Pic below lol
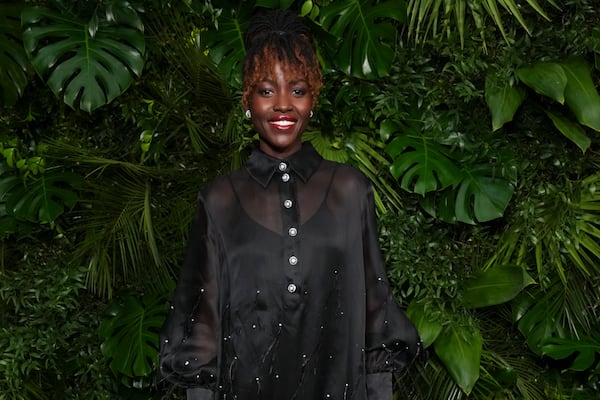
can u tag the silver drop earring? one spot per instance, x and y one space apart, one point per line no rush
248 114
311 114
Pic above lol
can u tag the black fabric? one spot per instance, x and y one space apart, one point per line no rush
379 386
283 293
199 393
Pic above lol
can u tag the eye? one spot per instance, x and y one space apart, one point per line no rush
265 92
299 92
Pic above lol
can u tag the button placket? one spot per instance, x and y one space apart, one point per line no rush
289 219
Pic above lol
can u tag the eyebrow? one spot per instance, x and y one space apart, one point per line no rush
292 82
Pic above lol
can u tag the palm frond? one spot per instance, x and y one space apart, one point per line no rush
442 386
558 311
118 240
432 18
556 230
133 222
193 94
177 36
504 368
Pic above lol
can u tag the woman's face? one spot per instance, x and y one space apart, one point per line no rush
280 107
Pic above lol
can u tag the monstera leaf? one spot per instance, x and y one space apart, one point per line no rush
87 63
482 195
364 33
14 65
41 200
130 335
582 353
421 164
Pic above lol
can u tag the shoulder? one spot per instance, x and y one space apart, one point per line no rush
218 193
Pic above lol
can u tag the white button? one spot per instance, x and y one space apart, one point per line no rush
282 166
285 177
293 260
291 288
287 204
292 231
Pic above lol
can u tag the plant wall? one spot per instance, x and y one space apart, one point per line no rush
477 122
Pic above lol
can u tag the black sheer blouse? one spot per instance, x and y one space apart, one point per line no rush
283 293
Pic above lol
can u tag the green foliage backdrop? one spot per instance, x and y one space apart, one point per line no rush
476 120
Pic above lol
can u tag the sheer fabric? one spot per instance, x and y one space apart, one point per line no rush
283 293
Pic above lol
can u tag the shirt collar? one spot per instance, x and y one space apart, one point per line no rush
303 163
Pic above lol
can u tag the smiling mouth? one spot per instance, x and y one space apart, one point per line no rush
282 124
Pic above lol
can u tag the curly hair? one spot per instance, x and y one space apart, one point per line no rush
279 36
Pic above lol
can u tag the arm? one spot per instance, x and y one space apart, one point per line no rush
189 337
392 342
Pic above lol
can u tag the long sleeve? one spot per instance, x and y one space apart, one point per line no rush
189 337
392 341
379 386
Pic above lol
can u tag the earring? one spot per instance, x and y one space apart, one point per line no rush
248 114
311 114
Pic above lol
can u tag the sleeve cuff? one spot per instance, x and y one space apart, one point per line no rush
199 394
379 386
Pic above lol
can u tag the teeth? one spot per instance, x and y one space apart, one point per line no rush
283 123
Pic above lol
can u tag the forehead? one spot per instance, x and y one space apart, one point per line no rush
271 67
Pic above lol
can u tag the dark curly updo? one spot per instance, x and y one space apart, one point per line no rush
279 36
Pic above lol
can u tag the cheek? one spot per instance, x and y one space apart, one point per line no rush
259 105
305 106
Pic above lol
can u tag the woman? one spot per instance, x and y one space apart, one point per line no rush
283 293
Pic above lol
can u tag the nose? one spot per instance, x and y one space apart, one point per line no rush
282 102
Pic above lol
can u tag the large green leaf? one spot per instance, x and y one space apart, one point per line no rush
88 64
43 198
130 335
495 286
571 130
428 328
546 78
483 195
580 93
421 164
365 34
582 352
14 65
459 348
503 100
